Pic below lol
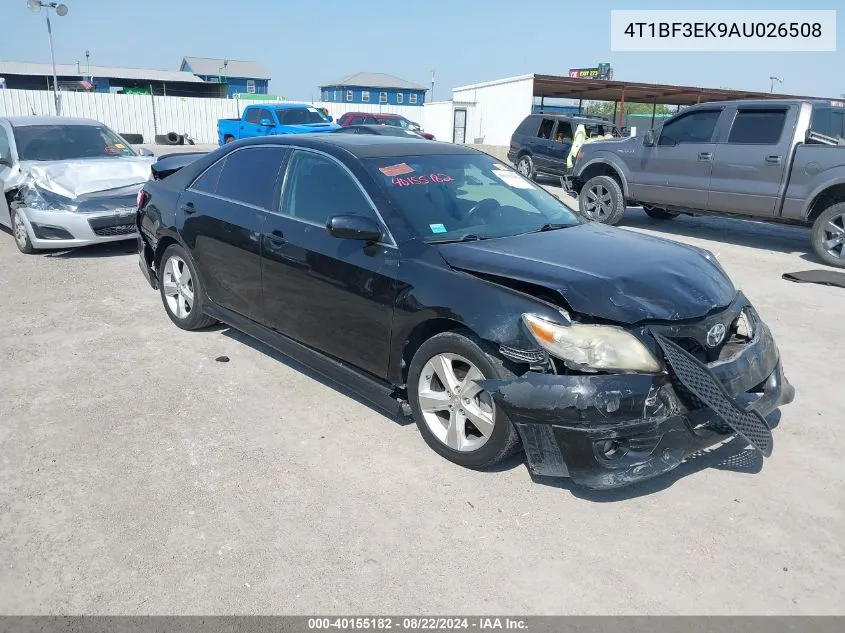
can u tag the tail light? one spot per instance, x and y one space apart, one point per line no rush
143 197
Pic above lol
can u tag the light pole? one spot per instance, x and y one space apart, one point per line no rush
61 10
774 79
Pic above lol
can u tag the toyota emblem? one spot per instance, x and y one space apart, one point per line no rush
715 335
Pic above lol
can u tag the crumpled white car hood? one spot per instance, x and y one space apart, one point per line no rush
74 178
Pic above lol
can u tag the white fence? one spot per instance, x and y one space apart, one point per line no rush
148 115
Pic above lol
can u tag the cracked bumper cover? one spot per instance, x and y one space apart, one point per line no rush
566 422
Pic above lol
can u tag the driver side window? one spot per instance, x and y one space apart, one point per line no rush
695 127
5 150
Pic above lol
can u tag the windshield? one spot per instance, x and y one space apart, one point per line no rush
396 122
466 196
300 116
68 142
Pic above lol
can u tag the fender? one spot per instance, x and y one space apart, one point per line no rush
606 157
829 179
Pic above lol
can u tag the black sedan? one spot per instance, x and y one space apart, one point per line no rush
379 130
438 282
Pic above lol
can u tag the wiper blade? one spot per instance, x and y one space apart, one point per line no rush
550 227
472 237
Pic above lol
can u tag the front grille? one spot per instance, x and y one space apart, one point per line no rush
699 382
113 226
523 355
111 231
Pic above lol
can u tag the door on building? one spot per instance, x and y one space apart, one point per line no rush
459 127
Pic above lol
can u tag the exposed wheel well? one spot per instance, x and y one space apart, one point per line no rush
162 245
420 334
826 198
602 169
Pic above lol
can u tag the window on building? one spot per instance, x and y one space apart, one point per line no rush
365 96
316 187
696 127
757 127
382 97
250 86
412 98
349 95
335 95
250 174
325 95
400 97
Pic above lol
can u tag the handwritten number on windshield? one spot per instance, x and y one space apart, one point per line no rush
421 180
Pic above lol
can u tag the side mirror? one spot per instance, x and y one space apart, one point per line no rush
266 123
329 118
143 151
648 138
353 227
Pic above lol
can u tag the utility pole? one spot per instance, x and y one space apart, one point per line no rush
774 79
61 10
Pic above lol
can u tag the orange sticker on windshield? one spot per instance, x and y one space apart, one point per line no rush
396 170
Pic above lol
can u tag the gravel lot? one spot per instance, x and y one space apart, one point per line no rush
139 476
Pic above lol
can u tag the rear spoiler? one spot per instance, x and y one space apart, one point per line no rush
169 164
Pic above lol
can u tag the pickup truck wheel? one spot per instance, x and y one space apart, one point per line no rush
525 166
228 138
601 200
828 235
659 214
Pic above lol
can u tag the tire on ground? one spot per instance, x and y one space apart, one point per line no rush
530 170
26 247
504 440
617 199
196 320
171 138
823 231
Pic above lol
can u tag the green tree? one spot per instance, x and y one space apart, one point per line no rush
605 108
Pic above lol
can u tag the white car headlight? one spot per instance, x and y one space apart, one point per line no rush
601 347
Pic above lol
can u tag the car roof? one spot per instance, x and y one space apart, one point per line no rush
367 146
376 115
23 121
371 126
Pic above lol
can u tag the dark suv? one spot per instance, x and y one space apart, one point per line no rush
542 142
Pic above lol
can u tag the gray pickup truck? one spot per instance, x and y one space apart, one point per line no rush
776 161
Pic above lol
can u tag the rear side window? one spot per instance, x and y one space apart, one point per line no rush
695 127
252 115
528 127
207 182
829 121
249 175
265 114
546 128
757 127
563 132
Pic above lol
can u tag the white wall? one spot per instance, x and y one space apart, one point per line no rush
438 120
136 114
500 106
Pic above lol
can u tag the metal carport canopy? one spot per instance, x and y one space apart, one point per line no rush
558 87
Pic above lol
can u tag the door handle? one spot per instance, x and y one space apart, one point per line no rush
773 160
188 207
275 240
705 156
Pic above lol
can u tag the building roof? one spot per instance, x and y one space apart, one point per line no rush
374 80
70 70
234 68
607 90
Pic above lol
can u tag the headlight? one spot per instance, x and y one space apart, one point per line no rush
595 346
35 197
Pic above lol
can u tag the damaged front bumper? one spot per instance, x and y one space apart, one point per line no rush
53 228
611 430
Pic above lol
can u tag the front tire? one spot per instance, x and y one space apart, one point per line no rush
228 139
181 290
525 166
21 235
828 235
457 418
601 200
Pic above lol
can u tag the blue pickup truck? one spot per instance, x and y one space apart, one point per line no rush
267 119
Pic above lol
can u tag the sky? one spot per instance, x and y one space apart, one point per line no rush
303 44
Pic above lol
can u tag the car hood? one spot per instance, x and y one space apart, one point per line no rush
76 178
605 272
310 128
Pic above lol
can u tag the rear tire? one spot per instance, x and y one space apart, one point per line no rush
659 214
228 139
19 232
181 290
525 166
828 235
601 200
460 421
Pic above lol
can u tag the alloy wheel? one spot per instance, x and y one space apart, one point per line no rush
834 236
457 411
178 287
599 203
524 167
19 230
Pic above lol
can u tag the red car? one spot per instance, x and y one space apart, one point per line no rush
380 118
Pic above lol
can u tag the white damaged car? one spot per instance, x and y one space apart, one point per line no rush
68 182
